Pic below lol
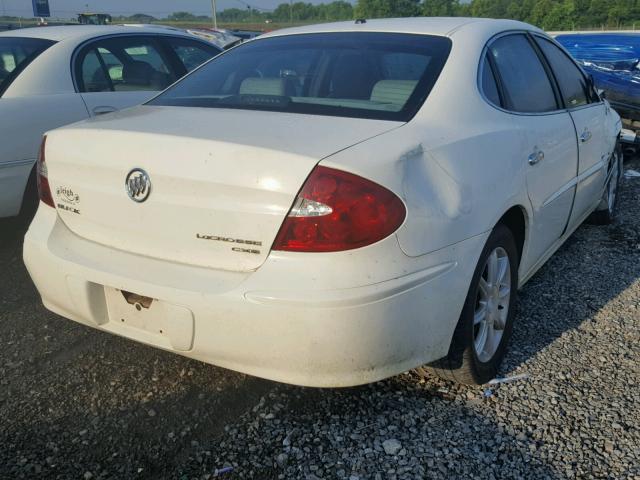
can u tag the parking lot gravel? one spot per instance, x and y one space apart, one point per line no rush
79 403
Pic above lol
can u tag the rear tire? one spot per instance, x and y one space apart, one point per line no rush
482 334
606 212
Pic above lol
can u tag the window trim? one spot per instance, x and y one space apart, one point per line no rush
156 37
103 65
493 67
551 75
485 50
572 60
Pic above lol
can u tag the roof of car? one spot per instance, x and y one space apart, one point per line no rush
64 32
442 26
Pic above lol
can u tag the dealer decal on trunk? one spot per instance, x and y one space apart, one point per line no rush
69 200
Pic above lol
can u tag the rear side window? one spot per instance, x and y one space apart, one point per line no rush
525 83
191 54
489 85
123 64
572 83
15 54
355 74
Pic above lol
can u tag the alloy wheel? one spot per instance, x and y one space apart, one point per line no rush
492 304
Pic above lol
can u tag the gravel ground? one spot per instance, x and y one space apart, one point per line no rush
78 403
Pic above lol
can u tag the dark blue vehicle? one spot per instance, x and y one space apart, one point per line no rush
613 59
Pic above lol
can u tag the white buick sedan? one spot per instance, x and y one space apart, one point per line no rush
330 205
53 76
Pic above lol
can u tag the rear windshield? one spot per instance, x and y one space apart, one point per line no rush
15 54
383 76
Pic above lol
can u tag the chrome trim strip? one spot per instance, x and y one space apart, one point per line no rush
16 163
572 183
575 181
590 171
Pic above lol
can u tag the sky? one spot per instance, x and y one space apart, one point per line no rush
157 8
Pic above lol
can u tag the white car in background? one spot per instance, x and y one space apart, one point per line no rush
330 205
222 38
53 76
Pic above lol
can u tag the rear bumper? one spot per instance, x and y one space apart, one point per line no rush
304 319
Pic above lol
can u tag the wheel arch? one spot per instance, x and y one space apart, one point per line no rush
30 198
517 220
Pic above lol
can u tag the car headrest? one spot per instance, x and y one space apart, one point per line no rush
263 86
394 92
98 81
137 73
353 77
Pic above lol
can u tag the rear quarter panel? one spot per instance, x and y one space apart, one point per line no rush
23 121
459 164
456 182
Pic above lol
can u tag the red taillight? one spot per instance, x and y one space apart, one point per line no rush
43 181
337 211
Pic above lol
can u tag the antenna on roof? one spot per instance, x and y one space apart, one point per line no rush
360 21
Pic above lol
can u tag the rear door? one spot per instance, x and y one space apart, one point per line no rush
122 71
588 114
546 133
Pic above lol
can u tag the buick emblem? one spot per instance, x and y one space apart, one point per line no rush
138 185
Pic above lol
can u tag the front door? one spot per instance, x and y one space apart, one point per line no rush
588 113
593 159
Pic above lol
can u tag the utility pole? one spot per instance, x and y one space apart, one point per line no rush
215 17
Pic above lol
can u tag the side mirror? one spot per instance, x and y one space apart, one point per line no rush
601 93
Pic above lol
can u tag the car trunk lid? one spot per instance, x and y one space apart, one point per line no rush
222 181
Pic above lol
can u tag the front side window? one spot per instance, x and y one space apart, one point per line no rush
365 75
123 64
15 54
525 83
191 54
571 81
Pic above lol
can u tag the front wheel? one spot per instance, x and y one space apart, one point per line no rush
484 328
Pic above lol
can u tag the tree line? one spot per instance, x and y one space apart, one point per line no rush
547 14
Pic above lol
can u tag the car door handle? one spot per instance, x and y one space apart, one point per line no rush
536 156
585 136
101 110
